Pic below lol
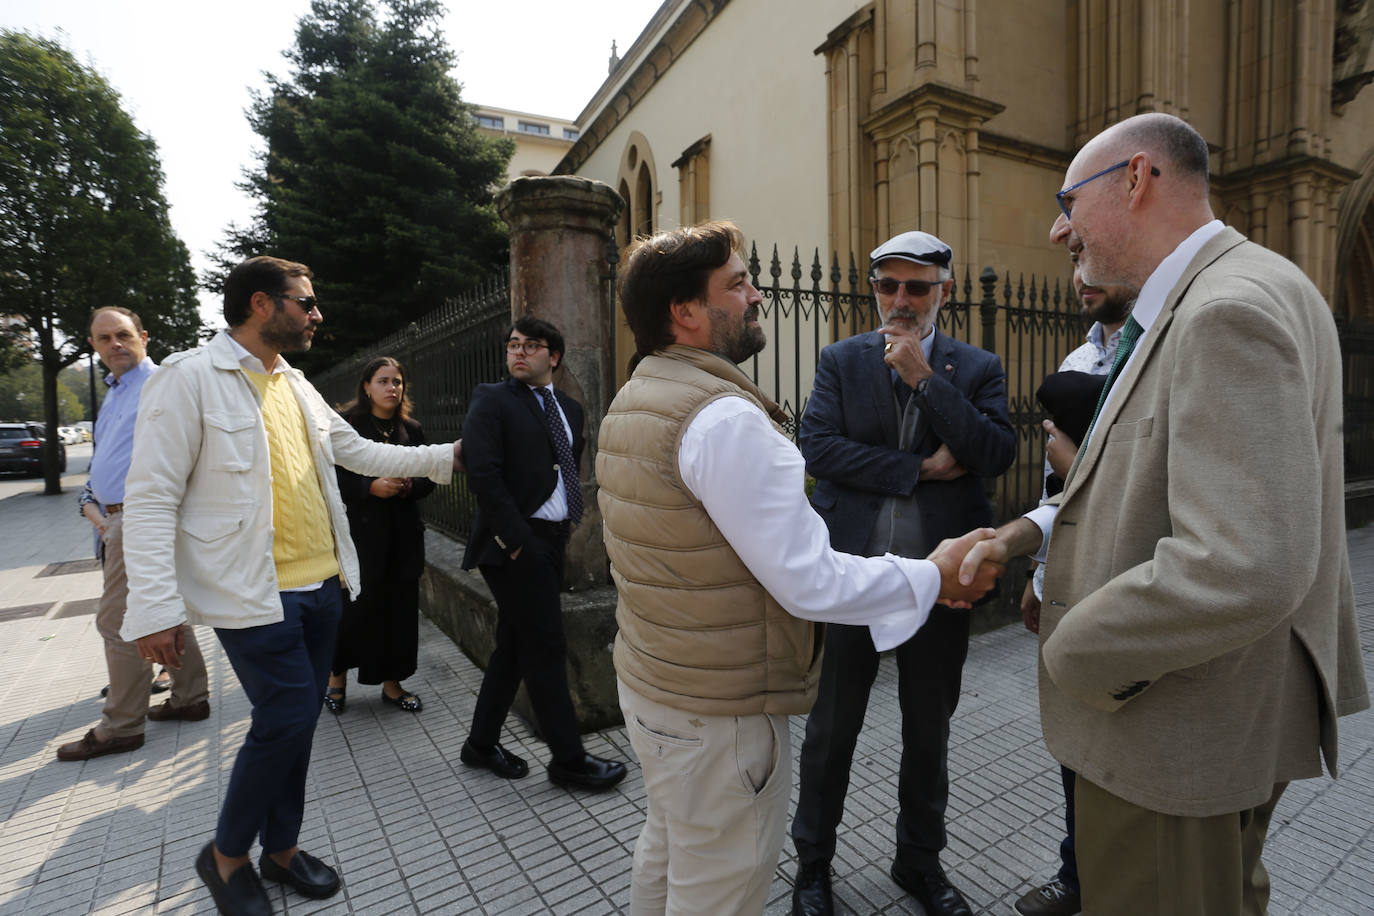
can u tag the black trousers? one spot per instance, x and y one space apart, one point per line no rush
530 646
929 671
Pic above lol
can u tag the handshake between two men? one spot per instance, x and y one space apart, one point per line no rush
969 566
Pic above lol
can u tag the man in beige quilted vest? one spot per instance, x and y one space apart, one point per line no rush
1197 634
723 572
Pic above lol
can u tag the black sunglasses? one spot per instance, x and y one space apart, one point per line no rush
887 286
308 304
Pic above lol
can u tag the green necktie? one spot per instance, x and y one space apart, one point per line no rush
1124 345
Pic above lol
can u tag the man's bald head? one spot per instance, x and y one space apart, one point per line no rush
1130 196
1171 143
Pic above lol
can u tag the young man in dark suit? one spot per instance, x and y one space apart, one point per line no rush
903 428
522 442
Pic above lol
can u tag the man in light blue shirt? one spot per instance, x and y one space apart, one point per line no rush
117 335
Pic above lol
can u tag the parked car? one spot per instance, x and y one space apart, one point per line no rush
21 449
70 435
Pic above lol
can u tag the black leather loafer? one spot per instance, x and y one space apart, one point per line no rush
590 772
499 760
242 895
811 891
307 874
931 889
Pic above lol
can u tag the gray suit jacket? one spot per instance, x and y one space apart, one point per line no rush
1198 634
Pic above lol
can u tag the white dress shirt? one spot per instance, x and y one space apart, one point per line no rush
1148 305
750 478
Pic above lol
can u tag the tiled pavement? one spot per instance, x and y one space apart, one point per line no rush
414 831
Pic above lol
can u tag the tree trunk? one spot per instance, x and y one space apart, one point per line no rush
52 364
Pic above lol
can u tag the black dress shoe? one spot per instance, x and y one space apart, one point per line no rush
307 874
588 773
242 895
811 891
499 760
931 889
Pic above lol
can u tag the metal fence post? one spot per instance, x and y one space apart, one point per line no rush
988 309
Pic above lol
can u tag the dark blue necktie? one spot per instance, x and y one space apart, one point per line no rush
562 448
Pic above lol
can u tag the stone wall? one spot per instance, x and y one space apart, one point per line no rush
460 604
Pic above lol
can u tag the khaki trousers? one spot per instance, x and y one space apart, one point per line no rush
716 792
1137 862
126 706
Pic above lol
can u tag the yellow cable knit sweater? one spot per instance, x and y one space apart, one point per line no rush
303 542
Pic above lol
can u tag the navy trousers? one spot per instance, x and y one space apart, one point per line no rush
283 668
1068 871
530 646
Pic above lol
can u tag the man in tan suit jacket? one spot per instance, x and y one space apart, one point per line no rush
1198 634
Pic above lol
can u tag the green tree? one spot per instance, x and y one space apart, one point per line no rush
77 377
21 397
83 222
373 173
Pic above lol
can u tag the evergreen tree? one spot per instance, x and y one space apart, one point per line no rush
373 173
83 222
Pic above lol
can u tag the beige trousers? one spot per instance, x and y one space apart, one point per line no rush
126 706
717 790
1136 862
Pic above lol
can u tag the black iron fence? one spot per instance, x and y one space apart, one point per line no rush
1357 365
1031 323
446 354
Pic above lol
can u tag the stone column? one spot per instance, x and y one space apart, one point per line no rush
560 232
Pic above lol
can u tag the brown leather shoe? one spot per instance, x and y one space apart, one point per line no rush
91 746
191 712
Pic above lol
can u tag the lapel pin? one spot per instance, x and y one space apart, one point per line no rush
949 367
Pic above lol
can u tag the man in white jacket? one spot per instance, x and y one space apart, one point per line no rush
233 520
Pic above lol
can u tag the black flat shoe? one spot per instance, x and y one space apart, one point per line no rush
307 874
162 683
407 701
242 895
336 699
499 760
590 772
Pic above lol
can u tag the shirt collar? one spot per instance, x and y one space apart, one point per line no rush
1165 277
251 362
144 366
1095 336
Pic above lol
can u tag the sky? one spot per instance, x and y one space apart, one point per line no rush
185 70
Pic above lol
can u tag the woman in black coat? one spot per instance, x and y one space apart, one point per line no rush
379 633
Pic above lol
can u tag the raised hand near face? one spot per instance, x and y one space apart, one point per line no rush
903 352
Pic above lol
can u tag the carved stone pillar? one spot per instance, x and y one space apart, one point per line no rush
560 227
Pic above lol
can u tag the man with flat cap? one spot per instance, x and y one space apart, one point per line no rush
903 427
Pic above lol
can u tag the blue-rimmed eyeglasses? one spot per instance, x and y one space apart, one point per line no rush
1059 195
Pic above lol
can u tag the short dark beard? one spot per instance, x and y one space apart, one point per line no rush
738 343
292 341
1115 306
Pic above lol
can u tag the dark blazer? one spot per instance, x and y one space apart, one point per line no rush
511 467
849 433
